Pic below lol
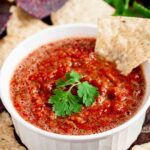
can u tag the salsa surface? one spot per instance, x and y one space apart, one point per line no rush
35 77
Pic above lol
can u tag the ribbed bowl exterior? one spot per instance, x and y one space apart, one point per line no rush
118 141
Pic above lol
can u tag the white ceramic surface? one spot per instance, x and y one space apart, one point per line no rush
119 138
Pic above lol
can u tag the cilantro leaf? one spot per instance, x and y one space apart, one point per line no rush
61 83
64 103
71 78
119 5
73 75
145 12
87 92
127 11
133 8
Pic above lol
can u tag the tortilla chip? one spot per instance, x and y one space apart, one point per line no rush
23 25
81 11
20 26
6 45
7 138
142 147
124 41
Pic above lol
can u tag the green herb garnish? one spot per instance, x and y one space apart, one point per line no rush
65 102
143 11
130 8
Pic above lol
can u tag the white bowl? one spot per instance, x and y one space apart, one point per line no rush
119 138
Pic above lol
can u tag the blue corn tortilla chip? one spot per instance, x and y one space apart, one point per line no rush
1 106
4 17
40 8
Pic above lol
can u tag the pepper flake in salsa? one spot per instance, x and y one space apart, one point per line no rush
35 79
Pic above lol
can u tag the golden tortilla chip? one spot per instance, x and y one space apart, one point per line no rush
6 45
124 40
142 147
20 26
23 25
7 138
81 11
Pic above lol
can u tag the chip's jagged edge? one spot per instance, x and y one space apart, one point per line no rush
124 41
7 138
82 11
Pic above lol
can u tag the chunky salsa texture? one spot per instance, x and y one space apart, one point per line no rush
34 80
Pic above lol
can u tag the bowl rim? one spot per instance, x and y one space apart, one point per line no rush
44 133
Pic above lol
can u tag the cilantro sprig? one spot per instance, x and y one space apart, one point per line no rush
65 102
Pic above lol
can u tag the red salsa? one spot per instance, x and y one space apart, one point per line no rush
34 80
